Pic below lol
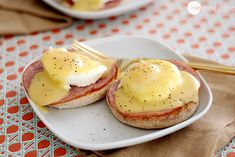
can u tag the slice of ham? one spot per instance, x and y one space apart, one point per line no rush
111 4
74 92
111 94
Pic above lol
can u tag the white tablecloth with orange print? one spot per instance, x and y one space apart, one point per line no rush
209 35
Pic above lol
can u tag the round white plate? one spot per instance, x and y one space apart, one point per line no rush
124 7
93 127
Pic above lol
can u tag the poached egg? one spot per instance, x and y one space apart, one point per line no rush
155 85
71 68
61 70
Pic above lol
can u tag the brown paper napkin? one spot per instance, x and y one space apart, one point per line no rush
202 138
26 16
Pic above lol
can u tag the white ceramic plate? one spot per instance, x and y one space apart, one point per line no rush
94 127
124 7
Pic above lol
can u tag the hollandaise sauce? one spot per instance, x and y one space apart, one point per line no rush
155 85
87 5
43 90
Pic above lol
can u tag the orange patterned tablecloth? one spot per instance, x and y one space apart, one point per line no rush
210 35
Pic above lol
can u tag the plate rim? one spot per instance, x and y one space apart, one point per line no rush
98 14
130 141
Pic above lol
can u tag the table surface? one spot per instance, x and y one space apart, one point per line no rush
209 35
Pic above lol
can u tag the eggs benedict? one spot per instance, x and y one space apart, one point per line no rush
90 5
154 94
67 79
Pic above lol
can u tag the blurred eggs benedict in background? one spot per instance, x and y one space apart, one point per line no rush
90 5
